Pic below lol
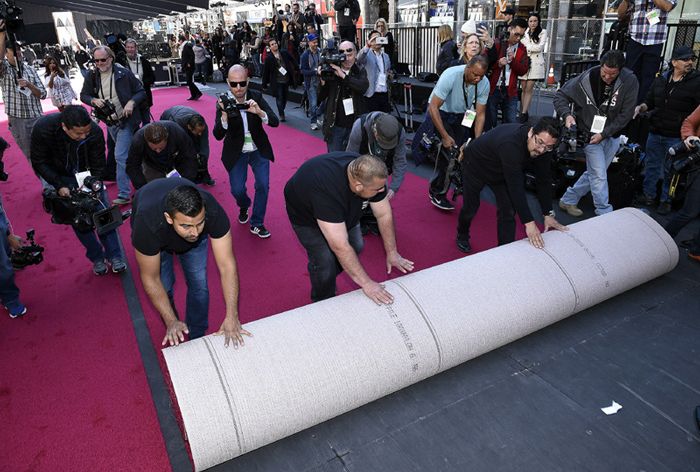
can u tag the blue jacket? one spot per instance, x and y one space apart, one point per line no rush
127 86
369 61
309 63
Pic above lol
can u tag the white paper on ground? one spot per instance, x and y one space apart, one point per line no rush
612 409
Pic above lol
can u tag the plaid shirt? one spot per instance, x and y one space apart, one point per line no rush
17 104
62 92
640 29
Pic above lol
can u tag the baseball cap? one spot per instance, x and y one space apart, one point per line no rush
388 130
509 11
311 37
683 52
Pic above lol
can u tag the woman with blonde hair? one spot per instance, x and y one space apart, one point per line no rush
535 40
381 26
58 84
448 48
471 46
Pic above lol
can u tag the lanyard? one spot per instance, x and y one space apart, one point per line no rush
464 92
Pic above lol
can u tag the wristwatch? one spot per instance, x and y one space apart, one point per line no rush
551 213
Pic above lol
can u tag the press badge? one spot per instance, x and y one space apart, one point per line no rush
653 16
469 117
381 80
282 70
347 106
346 12
24 90
80 177
172 173
598 124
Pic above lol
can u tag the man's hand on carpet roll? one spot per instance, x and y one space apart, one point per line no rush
551 223
377 293
534 235
395 260
175 333
232 331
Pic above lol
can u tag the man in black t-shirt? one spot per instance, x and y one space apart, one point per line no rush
324 201
499 159
172 216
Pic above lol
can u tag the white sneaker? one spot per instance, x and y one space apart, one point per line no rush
314 126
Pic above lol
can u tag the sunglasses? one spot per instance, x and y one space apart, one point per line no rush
101 60
234 84
346 51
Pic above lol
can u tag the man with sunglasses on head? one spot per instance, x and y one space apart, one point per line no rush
246 143
600 102
114 84
344 96
499 159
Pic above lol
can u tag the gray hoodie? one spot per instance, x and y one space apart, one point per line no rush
578 92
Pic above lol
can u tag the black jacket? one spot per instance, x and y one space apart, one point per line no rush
271 65
187 57
56 157
347 20
448 53
233 135
671 103
181 115
149 78
179 154
127 87
354 85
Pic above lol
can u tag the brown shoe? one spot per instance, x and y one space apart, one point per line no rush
695 257
572 210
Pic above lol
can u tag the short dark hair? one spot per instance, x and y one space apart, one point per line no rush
184 199
519 22
613 58
155 133
374 31
548 125
75 115
478 59
196 121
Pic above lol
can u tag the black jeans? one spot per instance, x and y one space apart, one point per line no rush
439 184
347 33
189 76
281 94
472 191
323 265
690 210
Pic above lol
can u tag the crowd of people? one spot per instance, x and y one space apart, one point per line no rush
334 199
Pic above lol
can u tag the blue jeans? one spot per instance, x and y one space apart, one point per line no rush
508 106
122 142
338 140
109 247
656 165
312 95
9 293
644 62
595 179
201 69
238 176
194 266
323 265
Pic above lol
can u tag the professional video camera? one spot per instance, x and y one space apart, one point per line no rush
433 145
83 209
231 105
330 56
107 113
12 14
30 253
682 162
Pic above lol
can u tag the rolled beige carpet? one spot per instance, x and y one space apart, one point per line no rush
310 364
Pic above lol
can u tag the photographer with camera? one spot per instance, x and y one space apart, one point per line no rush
377 64
600 102
278 73
457 112
197 130
343 84
172 217
309 62
240 115
671 98
116 96
499 159
22 92
66 146
689 163
161 149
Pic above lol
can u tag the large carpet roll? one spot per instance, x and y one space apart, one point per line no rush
310 364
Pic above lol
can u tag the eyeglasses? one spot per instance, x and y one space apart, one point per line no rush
346 51
686 59
541 144
234 84
101 60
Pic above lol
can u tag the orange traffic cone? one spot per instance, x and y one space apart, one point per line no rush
550 77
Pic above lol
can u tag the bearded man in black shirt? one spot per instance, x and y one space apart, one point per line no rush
499 159
173 217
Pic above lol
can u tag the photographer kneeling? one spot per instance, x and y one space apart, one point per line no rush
64 147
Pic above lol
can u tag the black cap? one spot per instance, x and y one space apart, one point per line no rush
683 52
508 11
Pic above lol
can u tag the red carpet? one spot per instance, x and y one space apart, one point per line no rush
73 395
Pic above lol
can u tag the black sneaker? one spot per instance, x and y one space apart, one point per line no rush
261 231
441 202
99 267
464 246
664 208
243 216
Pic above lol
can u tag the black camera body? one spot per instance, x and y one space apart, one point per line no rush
107 113
29 254
433 145
12 14
328 57
231 105
682 159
